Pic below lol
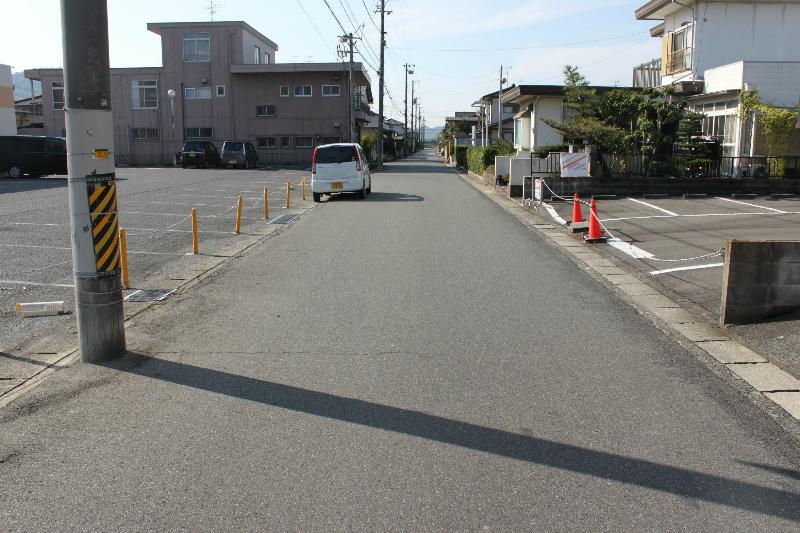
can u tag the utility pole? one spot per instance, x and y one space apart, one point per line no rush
500 107
348 39
413 102
381 82
409 70
91 185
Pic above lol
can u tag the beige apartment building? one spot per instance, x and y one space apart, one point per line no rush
227 86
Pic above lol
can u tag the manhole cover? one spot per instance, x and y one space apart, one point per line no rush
149 295
284 219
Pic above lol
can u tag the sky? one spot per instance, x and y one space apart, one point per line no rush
457 46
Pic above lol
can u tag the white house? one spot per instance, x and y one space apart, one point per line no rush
712 50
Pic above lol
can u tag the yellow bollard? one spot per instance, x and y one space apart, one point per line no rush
288 193
123 257
266 203
239 205
304 188
195 244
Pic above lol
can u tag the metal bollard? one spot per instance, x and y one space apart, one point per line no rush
195 244
288 193
123 256
266 203
239 205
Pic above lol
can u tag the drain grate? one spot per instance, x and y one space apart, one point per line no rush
149 295
284 219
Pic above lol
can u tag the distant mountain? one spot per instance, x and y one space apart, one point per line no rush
433 133
22 86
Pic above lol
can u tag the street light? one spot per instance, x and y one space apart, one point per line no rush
171 94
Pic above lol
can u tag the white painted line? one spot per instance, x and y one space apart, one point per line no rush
35 284
554 214
35 246
132 294
37 224
651 206
156 230
679 269
752 205
628 248
700 215
181 215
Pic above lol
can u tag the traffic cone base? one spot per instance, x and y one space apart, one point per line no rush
595 231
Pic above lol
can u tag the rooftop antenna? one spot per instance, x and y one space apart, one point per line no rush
212 9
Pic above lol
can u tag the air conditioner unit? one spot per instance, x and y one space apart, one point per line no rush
337 124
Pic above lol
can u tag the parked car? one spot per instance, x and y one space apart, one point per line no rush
340 167
200 154
32 155
239 154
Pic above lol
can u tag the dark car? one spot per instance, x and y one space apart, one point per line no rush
32 155
239 154
199 154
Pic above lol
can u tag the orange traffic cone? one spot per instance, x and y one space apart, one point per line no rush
577 216
595 231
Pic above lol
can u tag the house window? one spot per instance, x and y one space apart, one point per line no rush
508 109
267 142
198 133
286 142
304 142
678 50
58 95
220 90
197 47
145 133
302 90
331 90
257 53
197 93
266 110
144 94
284 90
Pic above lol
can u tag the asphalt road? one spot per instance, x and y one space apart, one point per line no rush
416 361
154 203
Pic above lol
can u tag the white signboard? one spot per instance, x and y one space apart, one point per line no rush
537 189
577 165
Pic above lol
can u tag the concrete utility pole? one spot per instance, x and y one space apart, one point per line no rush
348 39
500 107
381 82
91 185
409 70
413 102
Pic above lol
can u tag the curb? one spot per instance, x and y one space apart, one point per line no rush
773 390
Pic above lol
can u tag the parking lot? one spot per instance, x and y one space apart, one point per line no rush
155 208
654 234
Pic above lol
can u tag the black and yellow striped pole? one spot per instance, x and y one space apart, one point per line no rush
91 185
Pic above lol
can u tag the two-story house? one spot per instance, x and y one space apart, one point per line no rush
492 116
220 81
712 50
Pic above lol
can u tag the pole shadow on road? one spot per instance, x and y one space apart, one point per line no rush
604 465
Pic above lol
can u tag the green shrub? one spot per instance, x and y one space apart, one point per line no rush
479 158
475 159
544 151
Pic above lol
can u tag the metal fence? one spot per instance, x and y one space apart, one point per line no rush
685 166
546 165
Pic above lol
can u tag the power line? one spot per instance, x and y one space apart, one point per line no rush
312 23
531 47
369 15
346 14
334 16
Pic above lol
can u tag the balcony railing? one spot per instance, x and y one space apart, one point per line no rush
648 74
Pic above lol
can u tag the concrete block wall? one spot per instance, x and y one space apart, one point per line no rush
761 279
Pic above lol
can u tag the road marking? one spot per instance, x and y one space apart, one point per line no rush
35 284
700 215
678 269
628 248
665 211
36 224
156 230
139 252
180 215
752 205
554 214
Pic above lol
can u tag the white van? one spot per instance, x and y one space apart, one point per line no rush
340 167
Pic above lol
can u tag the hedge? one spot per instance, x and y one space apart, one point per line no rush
481 157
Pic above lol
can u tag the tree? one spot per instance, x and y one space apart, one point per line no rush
778 123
